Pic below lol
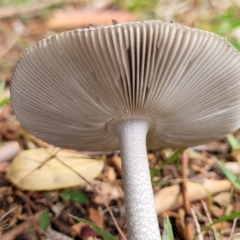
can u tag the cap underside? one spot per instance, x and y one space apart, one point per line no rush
67 88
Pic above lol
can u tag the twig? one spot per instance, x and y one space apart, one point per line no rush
3 224
210 220
208 148
189 232
198 228
31 221
60 226
232 235
101 194
52 234
26 199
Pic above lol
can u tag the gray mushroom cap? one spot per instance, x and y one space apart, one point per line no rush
71 88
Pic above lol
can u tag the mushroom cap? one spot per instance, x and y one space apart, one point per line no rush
70 88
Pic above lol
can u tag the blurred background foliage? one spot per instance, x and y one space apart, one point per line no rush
218 16
43 18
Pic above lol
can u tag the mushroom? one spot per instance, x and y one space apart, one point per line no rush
145 84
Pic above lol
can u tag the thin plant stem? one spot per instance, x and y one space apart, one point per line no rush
210 220
198 228
189 232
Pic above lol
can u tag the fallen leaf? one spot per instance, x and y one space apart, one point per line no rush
173 198
234 167
77 228
9 151
217 211
111 174
236 156
117 163
47 169
222 198
96 217
110 192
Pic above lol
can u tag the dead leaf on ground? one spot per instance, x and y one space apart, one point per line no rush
236 156
70 18
110 192
173 198
9 150
111 174
77 227
234 167
43 169
222 199
117 163
96 217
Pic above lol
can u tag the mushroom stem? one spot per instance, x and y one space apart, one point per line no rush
142 222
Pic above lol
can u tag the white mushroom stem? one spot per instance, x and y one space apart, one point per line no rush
142 220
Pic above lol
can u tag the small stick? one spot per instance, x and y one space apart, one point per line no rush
198 227
102 195
189 232
60 226
27 200
31 221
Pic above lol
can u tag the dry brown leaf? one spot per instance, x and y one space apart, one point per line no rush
222 198
96 217
173 198
236 156
117 163
110 192
41 169
217 211
180 224
77 228
75 18
111 174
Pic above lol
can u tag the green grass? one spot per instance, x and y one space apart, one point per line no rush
11 3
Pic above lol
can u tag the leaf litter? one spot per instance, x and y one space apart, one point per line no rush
36 214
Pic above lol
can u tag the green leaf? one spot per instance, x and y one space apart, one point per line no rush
106 235
31 229
223 219
168 230
73 195
44 220
174 157
153 172
235 43
235 145
4 102
2 86
231 177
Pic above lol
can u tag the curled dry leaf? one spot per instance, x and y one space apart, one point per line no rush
173 198
47 169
